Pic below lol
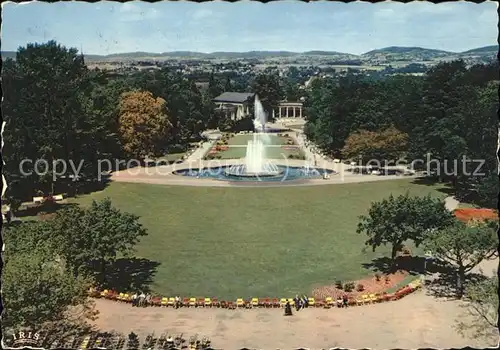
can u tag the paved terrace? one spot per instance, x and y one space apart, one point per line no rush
164 174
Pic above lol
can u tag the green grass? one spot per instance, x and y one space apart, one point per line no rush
172 157
237 148
462 205
253 242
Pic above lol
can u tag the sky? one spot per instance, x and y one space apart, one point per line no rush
108 27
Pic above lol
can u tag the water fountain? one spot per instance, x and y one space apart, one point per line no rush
255 164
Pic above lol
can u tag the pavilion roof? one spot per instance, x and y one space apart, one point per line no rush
234 97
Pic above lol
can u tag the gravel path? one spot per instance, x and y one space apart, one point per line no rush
451 203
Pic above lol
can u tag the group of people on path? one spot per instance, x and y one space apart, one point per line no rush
342 301
303 302
141 299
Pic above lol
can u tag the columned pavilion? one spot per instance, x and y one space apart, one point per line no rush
289 110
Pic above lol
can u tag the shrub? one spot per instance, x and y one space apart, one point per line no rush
387 279
349 287
338 285
377 277
360 287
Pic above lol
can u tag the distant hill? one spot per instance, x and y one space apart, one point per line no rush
218 54
252 54
406 50
8 54
325 53
482 50
392 51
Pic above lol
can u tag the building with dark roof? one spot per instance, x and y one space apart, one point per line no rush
236 105
235 97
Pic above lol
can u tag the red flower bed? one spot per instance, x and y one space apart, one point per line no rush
467 214
370 286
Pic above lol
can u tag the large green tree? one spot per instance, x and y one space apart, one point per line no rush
479 182
186 105
396 220
464 246
91 238
215 87
87 239
440 133
382 145
144 124
269 89
43 107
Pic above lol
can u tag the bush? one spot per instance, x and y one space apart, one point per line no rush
387 279
349 287
338 285
360 287
377 277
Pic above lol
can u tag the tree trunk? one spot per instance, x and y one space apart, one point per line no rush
460 281
396 247
102 263
454 181
394 252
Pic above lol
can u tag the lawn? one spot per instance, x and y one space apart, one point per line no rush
237 147
248 242
169 158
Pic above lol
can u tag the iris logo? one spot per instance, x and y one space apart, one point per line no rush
25 338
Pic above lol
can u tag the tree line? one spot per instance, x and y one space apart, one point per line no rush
449 113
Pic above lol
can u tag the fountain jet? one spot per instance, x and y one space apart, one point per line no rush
255 164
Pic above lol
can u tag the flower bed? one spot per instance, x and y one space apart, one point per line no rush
468 214
371 285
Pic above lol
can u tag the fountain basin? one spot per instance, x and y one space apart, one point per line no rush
284 173
256 175
264 169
